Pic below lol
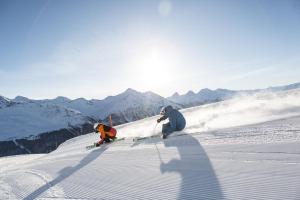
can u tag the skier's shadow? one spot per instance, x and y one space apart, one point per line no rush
199 180
66 172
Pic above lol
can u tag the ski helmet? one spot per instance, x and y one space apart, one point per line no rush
163 111
96 125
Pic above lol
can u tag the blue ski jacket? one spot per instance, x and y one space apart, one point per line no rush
176 120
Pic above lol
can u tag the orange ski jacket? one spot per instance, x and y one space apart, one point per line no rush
106 131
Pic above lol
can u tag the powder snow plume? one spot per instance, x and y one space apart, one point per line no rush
241 110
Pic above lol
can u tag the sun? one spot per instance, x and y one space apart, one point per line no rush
155 65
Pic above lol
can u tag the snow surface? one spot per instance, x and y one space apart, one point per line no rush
245 148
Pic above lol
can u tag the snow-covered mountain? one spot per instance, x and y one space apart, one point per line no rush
136 103
37 116
125 107
202 97
132 105
243 148
41 127
284 88
22 119
4 102
208 96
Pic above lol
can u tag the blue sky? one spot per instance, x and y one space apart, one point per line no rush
93 49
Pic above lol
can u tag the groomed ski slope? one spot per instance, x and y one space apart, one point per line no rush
245 148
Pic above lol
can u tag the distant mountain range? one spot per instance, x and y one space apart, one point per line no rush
23 119
208 96
36 116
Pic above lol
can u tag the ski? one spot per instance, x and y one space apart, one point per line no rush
94 145
148 137
91 146
136 139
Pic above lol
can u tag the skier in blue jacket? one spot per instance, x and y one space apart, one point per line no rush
176 120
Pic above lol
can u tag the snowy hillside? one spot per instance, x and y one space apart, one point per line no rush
24 119
244 148
202 97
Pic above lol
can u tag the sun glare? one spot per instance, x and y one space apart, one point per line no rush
155 65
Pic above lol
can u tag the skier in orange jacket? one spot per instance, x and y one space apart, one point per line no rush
107 133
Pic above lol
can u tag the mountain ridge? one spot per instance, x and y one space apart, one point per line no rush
207 95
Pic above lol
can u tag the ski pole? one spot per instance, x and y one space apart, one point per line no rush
154 128
160 159
156 145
